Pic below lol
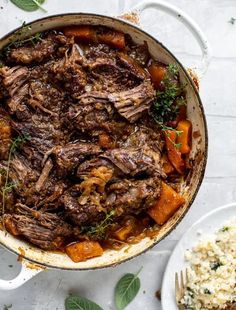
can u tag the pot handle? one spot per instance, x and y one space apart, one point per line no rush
28 271
187 21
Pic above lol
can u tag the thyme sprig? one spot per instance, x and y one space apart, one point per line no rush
8 186
16 41
98 232
169 101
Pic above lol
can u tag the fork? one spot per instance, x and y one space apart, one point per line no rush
180 287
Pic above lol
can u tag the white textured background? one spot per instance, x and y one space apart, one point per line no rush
218 91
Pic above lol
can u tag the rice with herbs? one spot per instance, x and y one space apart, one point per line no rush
212 272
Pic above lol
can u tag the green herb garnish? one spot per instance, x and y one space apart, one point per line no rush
80 303
215 265
8 186
29 5
16 41
126 290
207 291
169 100
224 229
98 232
7 307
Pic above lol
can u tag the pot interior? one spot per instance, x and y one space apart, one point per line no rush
198 154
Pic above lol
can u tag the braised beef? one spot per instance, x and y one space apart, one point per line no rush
63 97
131 197
53 45
135 161
46 230
69 156
124 197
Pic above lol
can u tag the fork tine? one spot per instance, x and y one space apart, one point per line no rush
177 289
187 277
182 281
176 284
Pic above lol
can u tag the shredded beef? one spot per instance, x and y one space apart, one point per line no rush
65 95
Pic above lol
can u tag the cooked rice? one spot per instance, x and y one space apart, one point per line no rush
212 272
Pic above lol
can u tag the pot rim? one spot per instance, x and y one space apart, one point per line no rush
205 155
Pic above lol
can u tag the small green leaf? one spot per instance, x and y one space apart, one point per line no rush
80 303
126 290
29 5
7 307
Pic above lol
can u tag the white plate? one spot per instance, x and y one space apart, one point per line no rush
208 224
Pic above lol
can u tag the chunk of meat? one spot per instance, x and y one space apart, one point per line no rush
94 115
125 197
69 72
114 75
133 196
86 211
139 53
132 103
49 47
44 175
43 132
143 136
22 174
45 98
45 230
135 161
13 78
68 157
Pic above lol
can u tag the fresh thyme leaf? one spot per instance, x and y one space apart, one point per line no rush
8 186
29 5
177 145
98 232
173 69
169 100
164 128
16 41
126 290
18 142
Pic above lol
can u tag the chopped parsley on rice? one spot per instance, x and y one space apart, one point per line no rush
212 272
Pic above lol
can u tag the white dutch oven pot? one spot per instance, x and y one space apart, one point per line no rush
35 260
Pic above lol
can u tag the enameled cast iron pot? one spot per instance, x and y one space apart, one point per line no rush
32 256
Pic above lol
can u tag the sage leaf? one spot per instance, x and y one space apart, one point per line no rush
126 290
29 5
80 303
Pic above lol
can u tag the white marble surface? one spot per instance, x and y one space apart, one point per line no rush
49 289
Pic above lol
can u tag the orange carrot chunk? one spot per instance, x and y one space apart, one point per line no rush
122 233
81 251
173 153
83 32
11 226
157 73
184 139
112 38
167 166
167 205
